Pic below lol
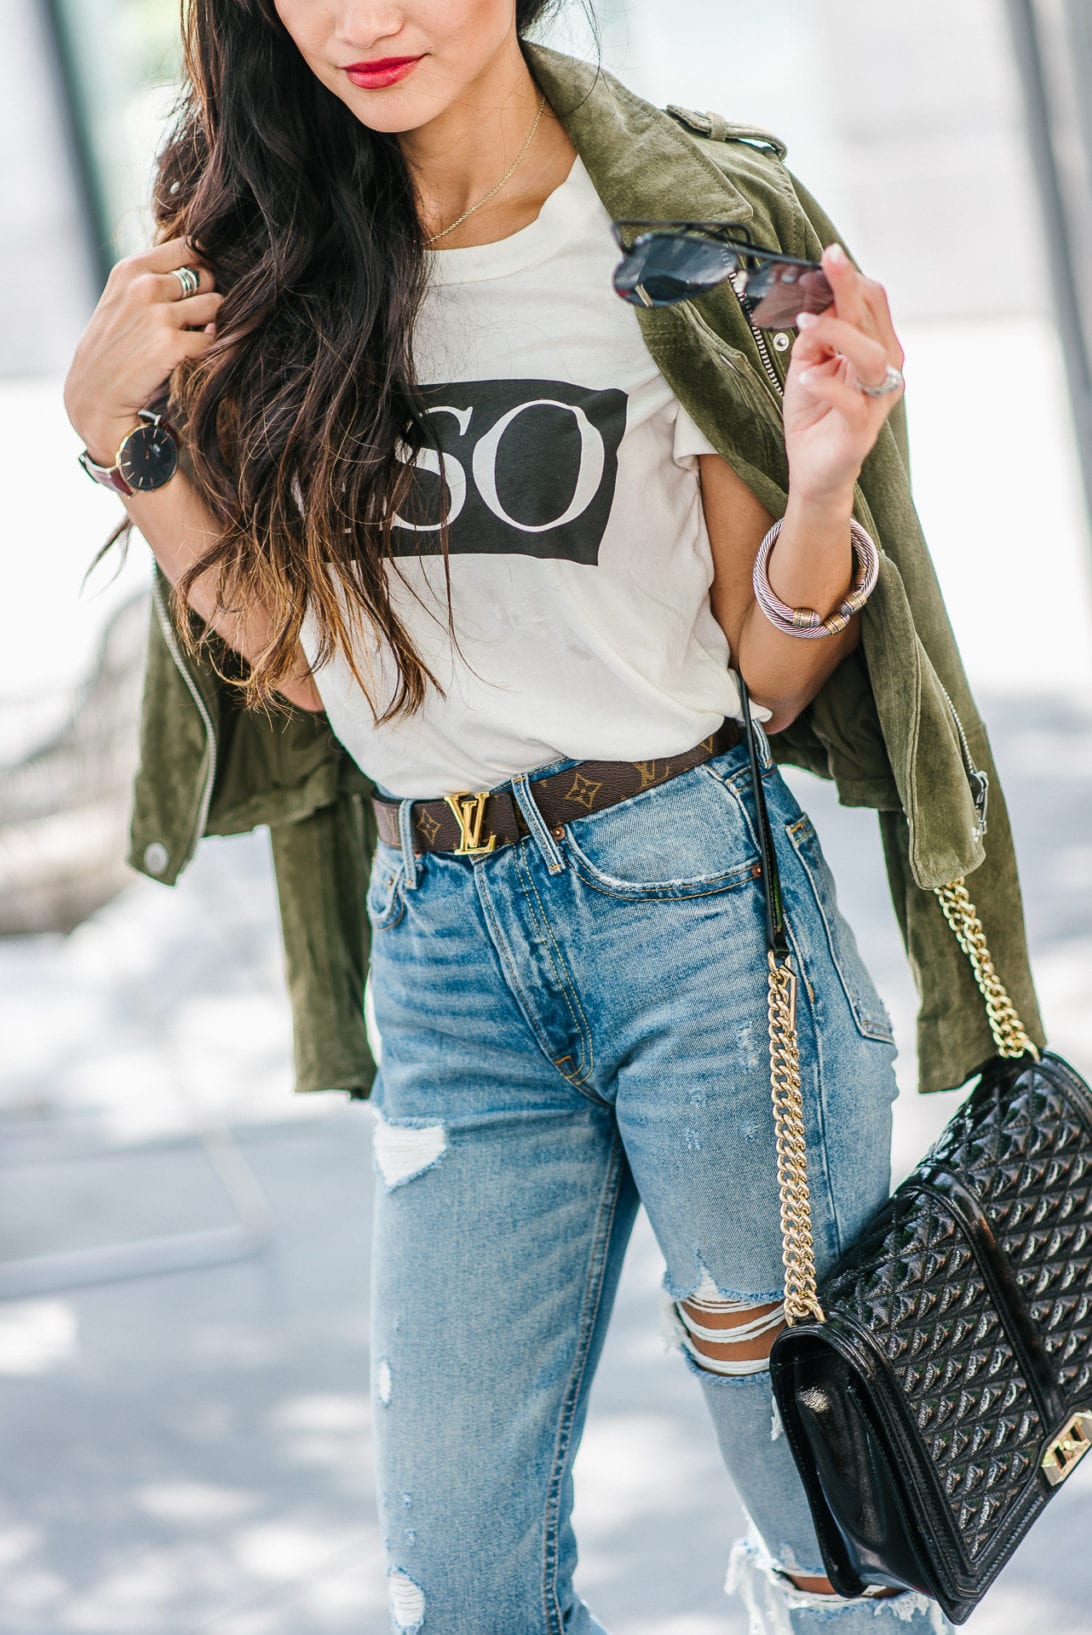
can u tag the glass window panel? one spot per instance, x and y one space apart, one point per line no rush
121 59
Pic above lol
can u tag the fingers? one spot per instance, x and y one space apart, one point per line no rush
158 266
856 334
823 337
855 406
194 343
196 311
861 301
141 279
170 288
173 252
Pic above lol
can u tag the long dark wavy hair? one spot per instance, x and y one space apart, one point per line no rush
301 419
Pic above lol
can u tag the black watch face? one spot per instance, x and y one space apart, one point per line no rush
149 456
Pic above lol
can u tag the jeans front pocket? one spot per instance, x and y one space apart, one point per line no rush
869 1011
385 900
687 836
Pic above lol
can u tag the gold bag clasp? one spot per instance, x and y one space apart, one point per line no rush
1068 1448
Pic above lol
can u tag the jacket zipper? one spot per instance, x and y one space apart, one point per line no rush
763 350
767 361
978 780
172 644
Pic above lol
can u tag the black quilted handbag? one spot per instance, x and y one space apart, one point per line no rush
936 1388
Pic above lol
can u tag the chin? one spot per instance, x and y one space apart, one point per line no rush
397 123
398 108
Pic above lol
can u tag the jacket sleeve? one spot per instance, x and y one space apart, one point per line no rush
322 866
909 653
953 1034
209 766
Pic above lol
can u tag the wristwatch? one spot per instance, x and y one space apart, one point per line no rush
146 459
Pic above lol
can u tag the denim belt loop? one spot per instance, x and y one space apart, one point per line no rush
405 835
764 745
545 841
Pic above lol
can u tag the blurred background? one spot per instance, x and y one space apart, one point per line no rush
183 1243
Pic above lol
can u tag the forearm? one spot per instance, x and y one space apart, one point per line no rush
179 529
158 310
845 370
810 565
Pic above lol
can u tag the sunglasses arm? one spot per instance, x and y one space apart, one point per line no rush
729 231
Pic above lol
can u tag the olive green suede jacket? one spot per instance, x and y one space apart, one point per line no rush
895 726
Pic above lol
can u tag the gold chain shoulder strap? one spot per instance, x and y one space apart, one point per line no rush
1009 1033
1010 1037
797 1247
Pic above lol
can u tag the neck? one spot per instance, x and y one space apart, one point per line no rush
458 156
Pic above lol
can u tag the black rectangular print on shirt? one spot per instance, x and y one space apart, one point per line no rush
530 468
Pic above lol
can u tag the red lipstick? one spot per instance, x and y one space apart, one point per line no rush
384 71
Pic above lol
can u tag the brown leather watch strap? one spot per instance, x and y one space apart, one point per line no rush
587 787
109 476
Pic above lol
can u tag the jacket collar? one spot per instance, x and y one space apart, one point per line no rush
628 145
642 163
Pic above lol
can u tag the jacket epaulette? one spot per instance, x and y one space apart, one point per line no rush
719 129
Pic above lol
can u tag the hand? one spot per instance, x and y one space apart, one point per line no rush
830 424
140 331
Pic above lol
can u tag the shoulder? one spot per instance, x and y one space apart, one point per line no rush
647 160
754 160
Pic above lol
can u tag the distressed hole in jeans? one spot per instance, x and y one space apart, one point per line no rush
771 1598
407 1600
675 1334
403 1151
726 1335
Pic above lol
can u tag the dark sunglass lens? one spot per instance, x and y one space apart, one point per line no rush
667 268
779 293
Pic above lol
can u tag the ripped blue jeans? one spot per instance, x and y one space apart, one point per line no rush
571 1026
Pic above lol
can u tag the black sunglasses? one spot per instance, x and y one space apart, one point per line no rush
672 261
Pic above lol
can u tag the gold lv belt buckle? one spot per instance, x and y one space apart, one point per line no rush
469 810
1068 1449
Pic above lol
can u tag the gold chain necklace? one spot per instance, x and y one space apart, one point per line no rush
511 168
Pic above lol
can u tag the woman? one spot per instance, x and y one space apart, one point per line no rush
455 504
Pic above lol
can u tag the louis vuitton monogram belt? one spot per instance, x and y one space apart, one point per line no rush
472 822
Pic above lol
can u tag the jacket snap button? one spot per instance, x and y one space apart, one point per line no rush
782 341
156 857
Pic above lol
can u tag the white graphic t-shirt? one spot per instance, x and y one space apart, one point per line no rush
580 562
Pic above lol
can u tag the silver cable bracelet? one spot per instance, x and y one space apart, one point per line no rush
805 621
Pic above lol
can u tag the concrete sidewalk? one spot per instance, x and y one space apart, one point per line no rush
191 1452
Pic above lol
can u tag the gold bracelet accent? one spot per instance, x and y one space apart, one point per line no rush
806 621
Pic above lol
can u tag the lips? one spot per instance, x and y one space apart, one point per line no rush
385 71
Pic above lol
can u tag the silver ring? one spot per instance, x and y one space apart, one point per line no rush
189 279
892 380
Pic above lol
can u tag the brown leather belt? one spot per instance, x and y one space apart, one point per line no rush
471 823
